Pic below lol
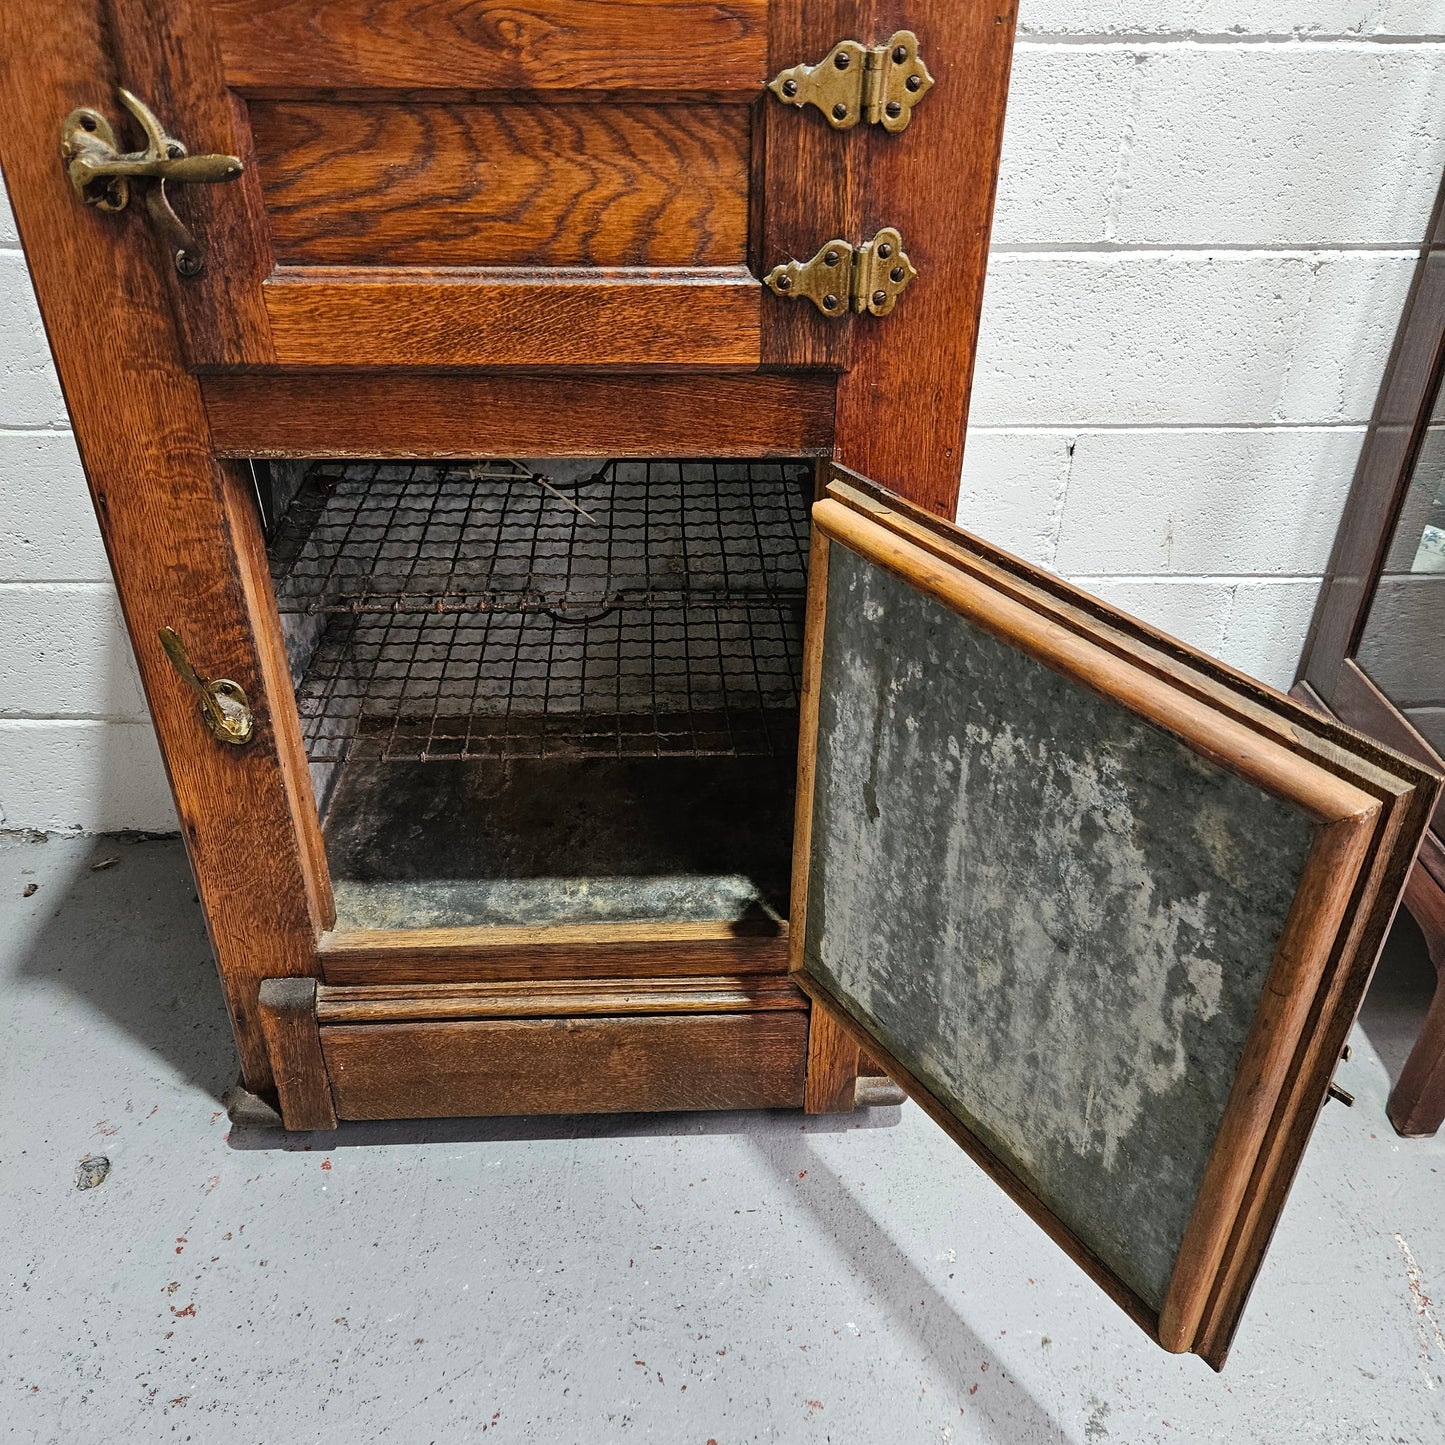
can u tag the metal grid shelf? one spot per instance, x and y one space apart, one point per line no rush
472 610
637 682
487 536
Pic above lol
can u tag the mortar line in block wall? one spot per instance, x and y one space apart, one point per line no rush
1083 428
55 584
1186 40
1192 579
1288 250
1234 250
119 719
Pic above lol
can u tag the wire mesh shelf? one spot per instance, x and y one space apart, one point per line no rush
468 611
651 682
483 536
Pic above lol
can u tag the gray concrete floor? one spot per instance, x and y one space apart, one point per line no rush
683 1279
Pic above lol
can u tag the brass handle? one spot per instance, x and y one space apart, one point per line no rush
102 173
224 704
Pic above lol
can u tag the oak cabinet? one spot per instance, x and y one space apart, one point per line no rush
522 435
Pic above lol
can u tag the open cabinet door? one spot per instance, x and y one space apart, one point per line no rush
1103 907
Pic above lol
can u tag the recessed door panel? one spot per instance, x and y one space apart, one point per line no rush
516 184
464 184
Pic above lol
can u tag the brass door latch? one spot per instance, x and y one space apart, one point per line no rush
843 278
877 84
102 173
224 704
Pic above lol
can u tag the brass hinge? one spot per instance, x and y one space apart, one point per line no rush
879 84
843 278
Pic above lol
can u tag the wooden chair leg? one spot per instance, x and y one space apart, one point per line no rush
293 1039
1417 1102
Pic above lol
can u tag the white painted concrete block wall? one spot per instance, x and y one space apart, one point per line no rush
1207 222
76 748
1206 227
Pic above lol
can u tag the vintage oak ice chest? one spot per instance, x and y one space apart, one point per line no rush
523 435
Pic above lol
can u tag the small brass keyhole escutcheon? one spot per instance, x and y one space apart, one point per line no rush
224 704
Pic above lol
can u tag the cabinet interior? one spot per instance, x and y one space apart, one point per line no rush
546 692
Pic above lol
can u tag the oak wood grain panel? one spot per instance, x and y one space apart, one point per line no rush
288 1019
834 1062
557 998
582 1066
702 320
401 414
482 955
709 46
903 404
808 182
505 185
183 552
166 52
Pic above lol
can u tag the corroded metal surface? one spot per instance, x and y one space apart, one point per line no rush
1055 914
531 842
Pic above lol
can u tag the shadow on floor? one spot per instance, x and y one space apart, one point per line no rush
122 933
917 1307
512 1128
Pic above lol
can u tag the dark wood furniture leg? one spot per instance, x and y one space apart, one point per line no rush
288 1020
1417 1102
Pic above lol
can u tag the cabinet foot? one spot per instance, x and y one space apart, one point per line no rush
249 1111
878 1092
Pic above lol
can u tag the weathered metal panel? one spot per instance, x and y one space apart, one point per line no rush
1054 913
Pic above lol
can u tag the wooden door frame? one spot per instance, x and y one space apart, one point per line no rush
1331 679
140 423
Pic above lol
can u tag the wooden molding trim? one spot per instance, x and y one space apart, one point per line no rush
557 998
596 951
643 1064
406 414
293 1037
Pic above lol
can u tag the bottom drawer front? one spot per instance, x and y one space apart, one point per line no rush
567 1066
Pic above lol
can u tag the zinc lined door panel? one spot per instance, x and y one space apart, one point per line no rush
1103 908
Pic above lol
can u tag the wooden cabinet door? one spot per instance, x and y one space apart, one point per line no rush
445 188
597 183
1105 908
